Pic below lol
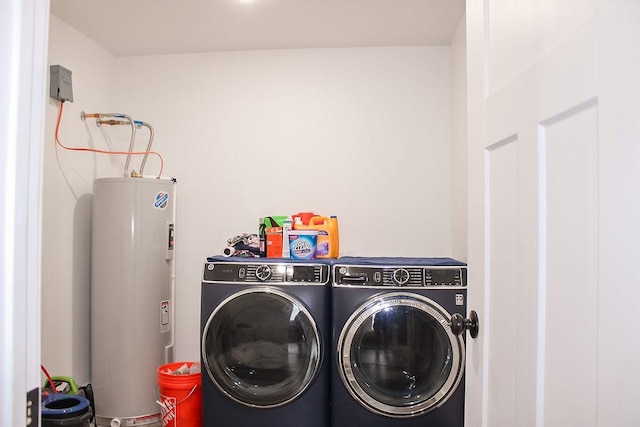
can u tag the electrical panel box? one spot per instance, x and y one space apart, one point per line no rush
60 85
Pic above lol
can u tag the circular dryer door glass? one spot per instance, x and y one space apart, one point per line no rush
398 356
261 347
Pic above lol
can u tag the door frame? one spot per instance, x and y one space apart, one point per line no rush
24 30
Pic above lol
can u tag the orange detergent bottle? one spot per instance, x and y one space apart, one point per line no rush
328 235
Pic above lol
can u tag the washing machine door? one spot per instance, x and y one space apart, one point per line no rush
398 357
261 347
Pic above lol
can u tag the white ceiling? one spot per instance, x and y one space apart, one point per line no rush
153 27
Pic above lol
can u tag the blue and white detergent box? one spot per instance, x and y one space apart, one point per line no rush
303 244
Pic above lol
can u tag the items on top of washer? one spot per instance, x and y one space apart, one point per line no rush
274 234
328 234
272 240
276 238
274 225
243 245
303 244
303 217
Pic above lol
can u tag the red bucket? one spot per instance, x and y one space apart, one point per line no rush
180 396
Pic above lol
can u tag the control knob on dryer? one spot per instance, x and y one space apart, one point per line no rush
263 273
401 276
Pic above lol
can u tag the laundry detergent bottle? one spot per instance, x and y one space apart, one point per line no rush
303 218
328 245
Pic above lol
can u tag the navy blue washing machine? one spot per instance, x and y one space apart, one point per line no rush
265 330
399 342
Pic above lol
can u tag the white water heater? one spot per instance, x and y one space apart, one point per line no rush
132 268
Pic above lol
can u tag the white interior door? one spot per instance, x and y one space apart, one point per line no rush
554 168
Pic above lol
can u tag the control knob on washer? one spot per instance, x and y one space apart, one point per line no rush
401 276
263 273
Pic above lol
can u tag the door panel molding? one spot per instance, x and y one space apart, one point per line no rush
568 273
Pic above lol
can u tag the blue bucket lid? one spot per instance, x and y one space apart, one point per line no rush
60 405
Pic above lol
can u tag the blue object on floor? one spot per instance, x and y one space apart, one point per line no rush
60 409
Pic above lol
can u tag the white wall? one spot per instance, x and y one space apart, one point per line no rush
459 142
364 134
67 187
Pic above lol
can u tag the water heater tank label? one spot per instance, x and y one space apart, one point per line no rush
164 322
162 200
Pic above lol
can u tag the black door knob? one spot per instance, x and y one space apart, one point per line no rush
459 324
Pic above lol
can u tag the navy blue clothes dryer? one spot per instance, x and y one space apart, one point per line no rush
398 342
265 330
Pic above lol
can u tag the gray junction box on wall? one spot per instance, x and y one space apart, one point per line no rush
60 84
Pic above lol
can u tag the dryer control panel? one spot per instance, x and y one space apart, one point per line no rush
272 273
399 276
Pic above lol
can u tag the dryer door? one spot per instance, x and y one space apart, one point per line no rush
261 347
398 357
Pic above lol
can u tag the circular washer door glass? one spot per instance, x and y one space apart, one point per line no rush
398 356
261 347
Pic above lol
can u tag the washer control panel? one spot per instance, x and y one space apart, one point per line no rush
272 273
399 276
